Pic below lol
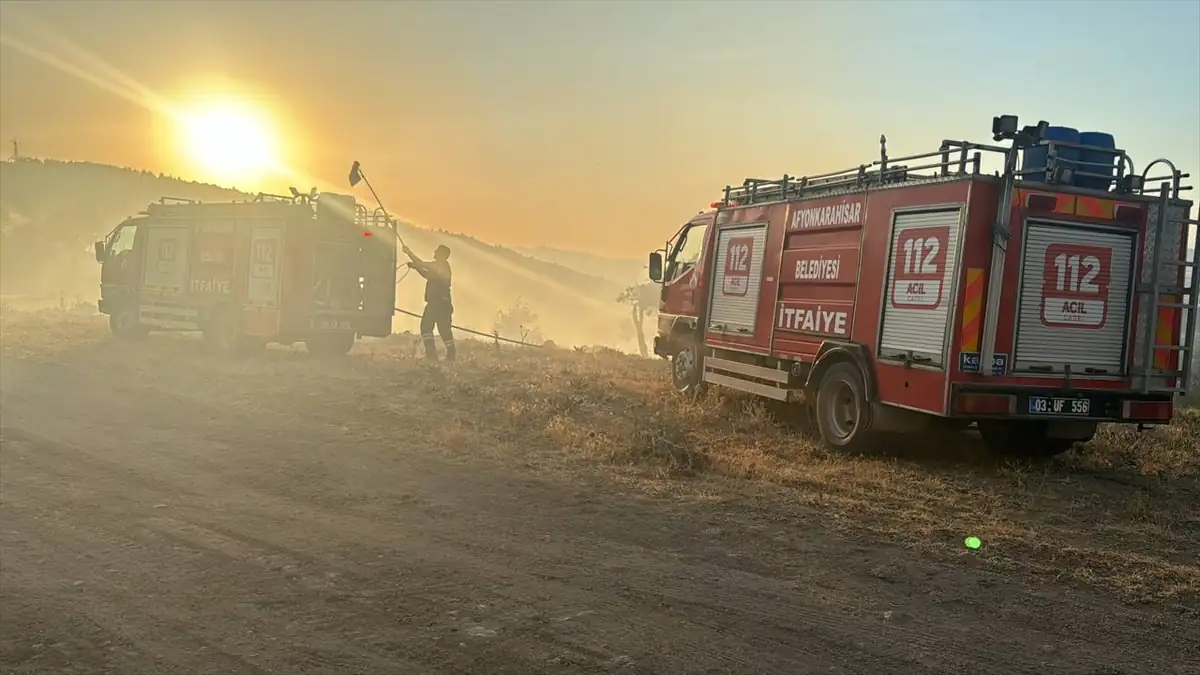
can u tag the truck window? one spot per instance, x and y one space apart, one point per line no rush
122 240
687 251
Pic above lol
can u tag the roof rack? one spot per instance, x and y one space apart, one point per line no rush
362 217
268 197
956 159
377 218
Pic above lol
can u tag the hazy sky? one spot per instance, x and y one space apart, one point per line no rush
597 126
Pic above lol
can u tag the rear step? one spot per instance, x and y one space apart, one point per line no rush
743 376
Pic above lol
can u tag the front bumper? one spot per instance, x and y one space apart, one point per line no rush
660 347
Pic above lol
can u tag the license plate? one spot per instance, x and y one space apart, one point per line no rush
331 324
1050 405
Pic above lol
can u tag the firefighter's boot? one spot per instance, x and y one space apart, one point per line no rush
430 347
451 352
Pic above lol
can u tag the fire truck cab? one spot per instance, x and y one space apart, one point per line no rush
918 291
312 268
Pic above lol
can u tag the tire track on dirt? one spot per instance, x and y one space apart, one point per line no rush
177 585
84 587
208 558
451 555
423 559
639 577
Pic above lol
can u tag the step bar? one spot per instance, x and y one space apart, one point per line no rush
743 376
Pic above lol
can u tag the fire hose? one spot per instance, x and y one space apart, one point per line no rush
492 336
356 175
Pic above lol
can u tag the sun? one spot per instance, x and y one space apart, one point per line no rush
229 143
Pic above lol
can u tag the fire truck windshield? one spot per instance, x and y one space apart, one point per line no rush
122 239
687 250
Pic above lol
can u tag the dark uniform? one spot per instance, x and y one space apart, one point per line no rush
439 309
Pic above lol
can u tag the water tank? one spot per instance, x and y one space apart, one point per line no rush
335 206
1035 158
1099 161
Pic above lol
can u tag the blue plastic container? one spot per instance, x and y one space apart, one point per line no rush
1101 162
1035 158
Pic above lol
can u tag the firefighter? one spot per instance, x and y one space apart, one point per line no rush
438 307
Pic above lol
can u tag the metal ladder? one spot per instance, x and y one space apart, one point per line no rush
1171 215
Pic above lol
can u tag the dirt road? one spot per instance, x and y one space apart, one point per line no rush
150 527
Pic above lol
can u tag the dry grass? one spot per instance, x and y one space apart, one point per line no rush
1121 513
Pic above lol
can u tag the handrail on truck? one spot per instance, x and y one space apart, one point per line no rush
960 158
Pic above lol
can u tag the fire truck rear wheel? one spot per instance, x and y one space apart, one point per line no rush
126 325
224 333
685 368
329 345
842 411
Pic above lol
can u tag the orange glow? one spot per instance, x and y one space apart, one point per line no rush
228 143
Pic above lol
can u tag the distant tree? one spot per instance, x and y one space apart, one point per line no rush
518 322
642 300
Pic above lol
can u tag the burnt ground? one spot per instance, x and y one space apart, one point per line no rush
162 511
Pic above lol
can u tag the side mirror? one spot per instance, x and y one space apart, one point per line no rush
101 252
656 266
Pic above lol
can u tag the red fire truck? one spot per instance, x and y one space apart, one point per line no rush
892 298
312 268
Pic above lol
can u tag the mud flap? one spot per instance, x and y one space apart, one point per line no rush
890 419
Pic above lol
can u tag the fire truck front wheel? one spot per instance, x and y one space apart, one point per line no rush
685 368
842 411
125 323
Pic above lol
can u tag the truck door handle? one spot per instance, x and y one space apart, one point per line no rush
1095 371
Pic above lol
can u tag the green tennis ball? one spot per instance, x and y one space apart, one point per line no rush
972 542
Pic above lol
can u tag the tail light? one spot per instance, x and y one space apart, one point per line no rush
985 404
1147 411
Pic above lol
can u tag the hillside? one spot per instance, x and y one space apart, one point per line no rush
51 212
624 271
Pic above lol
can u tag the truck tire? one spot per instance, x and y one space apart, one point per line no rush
224 332
1021 438
686 368
842 412
329 345
125 323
